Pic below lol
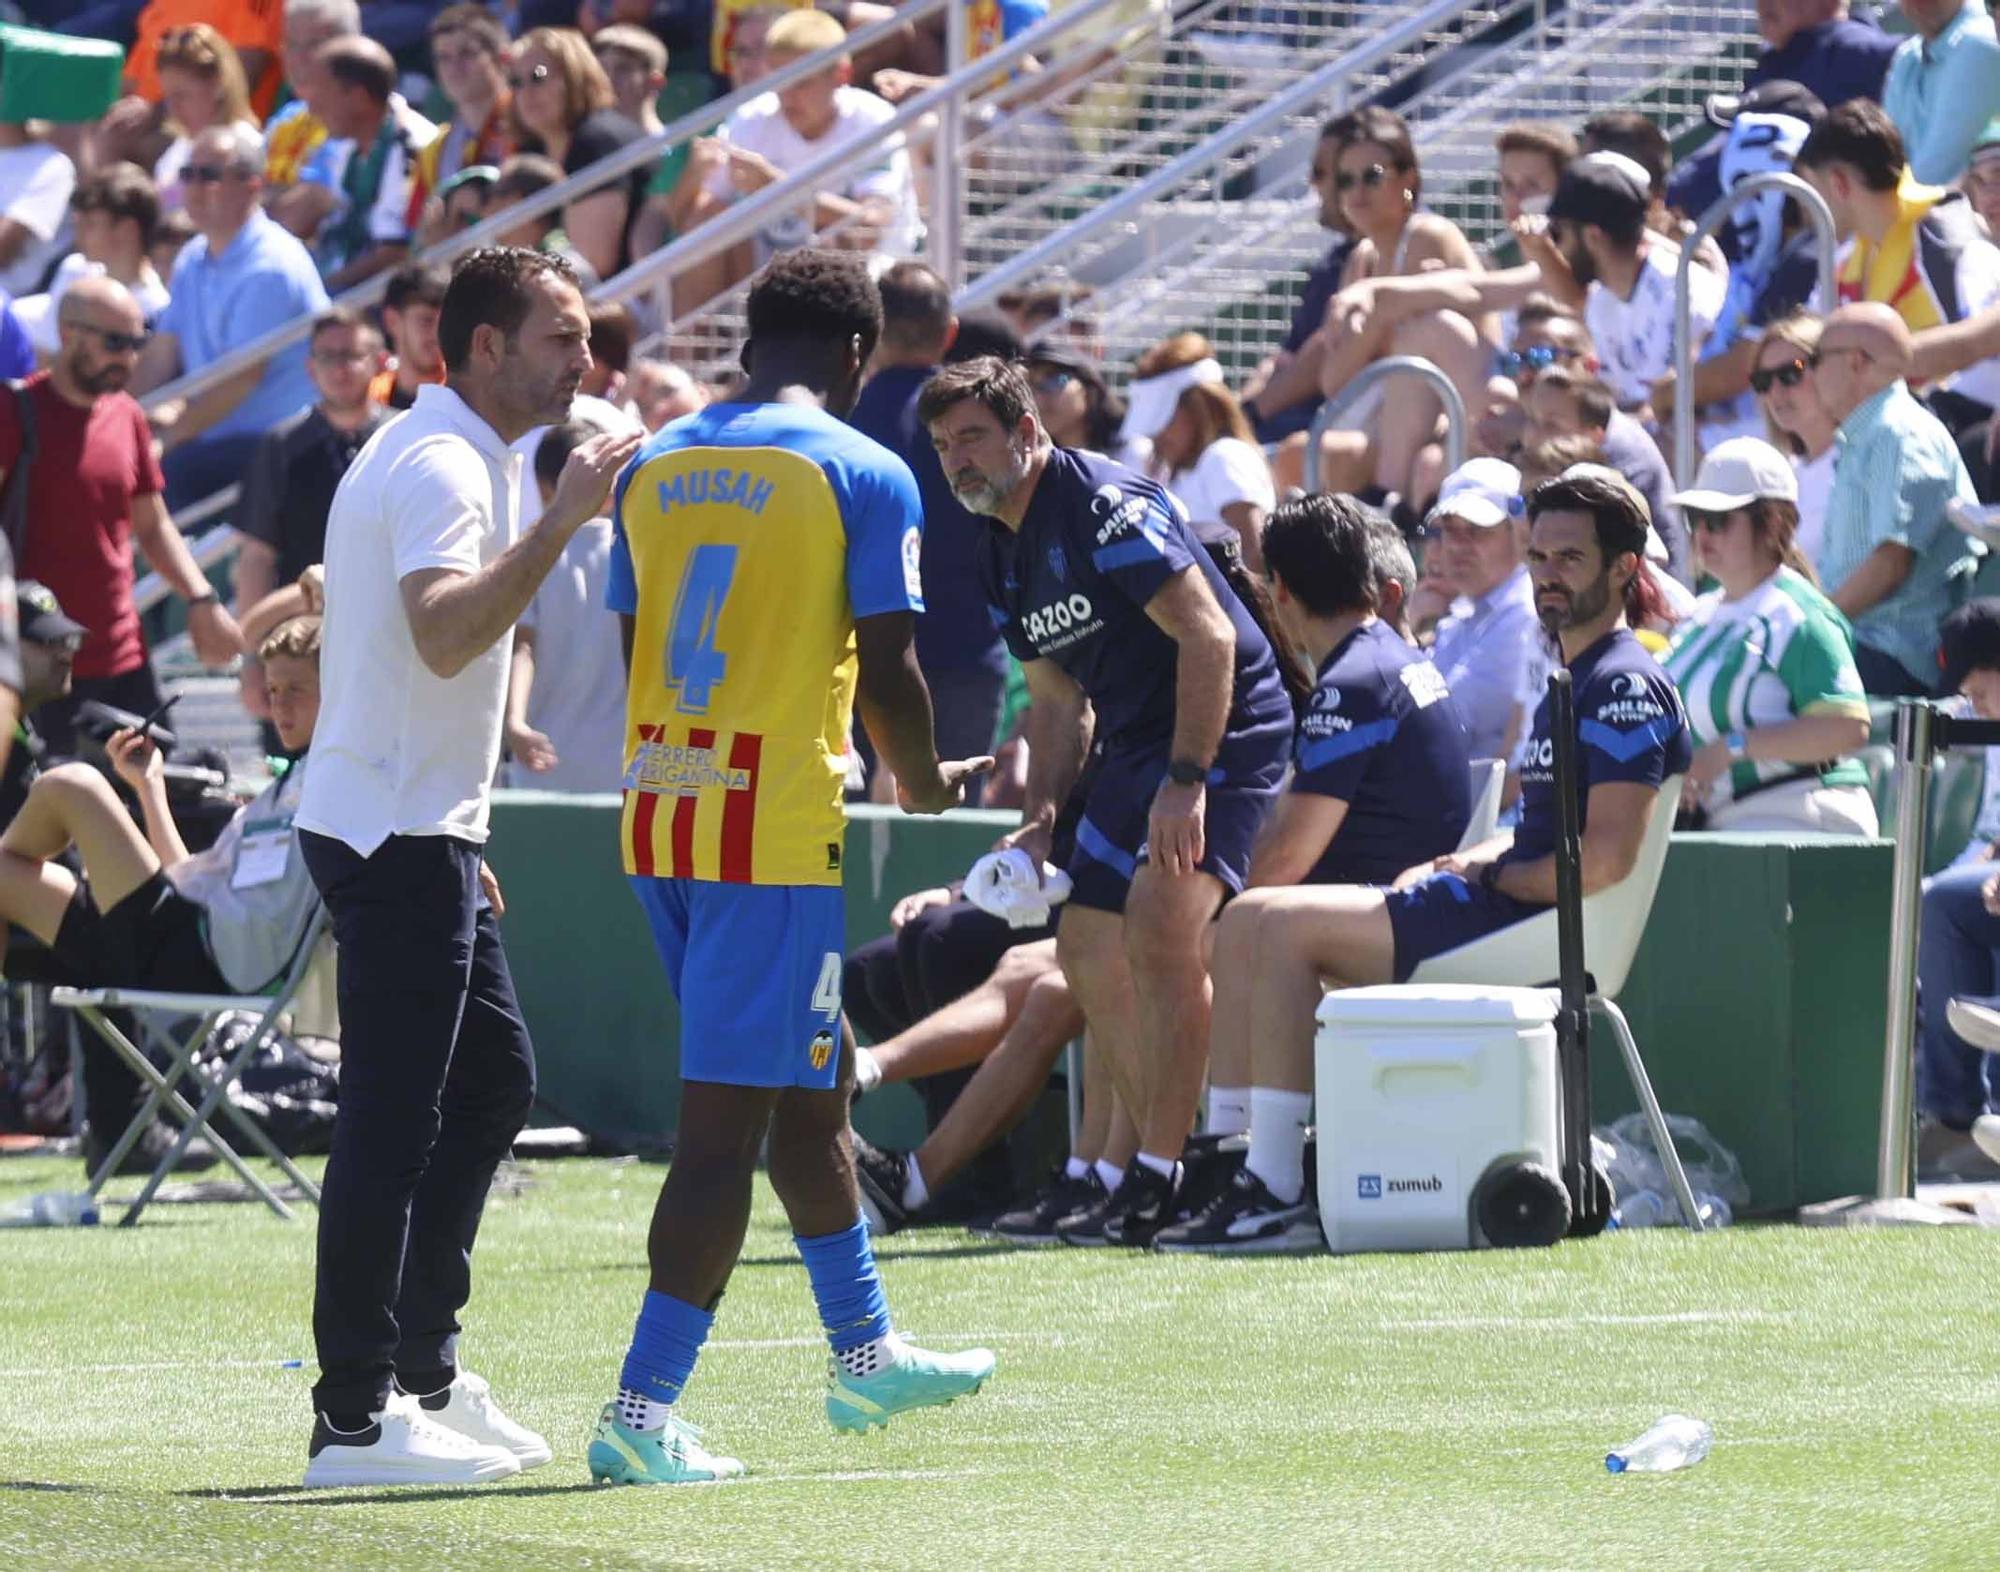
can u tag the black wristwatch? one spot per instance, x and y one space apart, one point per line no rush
1186 772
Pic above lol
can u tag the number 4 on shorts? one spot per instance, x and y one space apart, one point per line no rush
826 992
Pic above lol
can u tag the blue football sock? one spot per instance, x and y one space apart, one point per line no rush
852 1305
665 1344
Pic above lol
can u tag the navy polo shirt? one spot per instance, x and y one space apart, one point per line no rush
1383 736
1071 586
1629 727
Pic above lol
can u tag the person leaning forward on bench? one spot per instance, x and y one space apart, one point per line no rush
1586 554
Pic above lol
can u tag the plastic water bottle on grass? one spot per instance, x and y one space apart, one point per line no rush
51 1209
1674 1442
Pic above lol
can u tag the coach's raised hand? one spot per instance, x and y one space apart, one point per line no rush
585 482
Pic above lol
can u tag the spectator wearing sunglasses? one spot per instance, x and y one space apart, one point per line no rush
1379 187
469 57
94 490
241 277
1765 662
562 107
1078 408
1798 423
1892 560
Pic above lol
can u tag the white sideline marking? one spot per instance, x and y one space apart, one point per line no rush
1525 1323
956 1339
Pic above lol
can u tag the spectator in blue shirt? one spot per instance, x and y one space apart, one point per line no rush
238 279
958 648
1818 45
1484 645
1943 85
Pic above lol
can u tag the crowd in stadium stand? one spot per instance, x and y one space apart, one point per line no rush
263 158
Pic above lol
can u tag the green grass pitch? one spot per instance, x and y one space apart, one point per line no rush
1447 1411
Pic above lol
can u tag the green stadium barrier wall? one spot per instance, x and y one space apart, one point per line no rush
1757 997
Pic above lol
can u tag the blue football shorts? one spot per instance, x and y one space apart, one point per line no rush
756 969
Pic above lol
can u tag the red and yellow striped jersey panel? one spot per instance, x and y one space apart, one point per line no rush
733 550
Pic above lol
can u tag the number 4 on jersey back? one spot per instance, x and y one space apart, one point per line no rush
695 667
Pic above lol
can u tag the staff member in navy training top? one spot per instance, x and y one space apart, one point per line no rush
1586 552
1381 783
958 650
1114 607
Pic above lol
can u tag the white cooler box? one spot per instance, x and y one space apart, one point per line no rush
1439 1114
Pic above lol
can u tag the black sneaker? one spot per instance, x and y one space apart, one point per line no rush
1061 1197
881 1175
1246 1219
1141 1206
146 1152
1085 1226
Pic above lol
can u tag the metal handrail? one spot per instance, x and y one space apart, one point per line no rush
611 167
1268 118
743 219
1813 205
1381 371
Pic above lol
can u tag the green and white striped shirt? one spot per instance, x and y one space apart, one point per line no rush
1782 651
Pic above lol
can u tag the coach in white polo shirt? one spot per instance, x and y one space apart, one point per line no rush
426 573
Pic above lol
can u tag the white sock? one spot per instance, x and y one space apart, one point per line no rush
1278 1141
1076 1167
915 1191
637 1411
866 1359
1108 1174
1165 1167
1228 1110
867 1073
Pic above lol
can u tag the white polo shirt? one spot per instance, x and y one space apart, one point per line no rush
400 750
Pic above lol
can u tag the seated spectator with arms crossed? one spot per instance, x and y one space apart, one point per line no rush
1586 554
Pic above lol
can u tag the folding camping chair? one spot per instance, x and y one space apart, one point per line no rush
156 1013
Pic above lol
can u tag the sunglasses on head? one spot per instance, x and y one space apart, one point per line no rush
1371 177
1514 361
529 78
1789 375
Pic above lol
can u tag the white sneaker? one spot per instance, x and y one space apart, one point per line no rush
469 1410
1986 1135
1978 1024
403 1447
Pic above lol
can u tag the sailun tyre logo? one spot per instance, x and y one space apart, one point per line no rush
1629 685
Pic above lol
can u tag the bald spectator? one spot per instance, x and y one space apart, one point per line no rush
93 490
1944 85
370 227
1818 45
1890 555
241 277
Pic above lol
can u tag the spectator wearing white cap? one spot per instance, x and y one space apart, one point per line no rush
1204 451
1765 662
1485 644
